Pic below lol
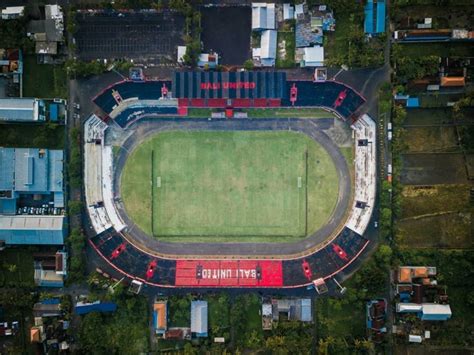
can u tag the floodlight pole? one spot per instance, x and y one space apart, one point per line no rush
343 289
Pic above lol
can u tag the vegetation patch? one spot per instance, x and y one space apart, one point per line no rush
285 49
432 139
16 268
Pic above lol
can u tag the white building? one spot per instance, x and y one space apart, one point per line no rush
12 12
263 16
266 54
313 56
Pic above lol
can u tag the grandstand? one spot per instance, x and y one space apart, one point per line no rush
98 173
113 242
127 101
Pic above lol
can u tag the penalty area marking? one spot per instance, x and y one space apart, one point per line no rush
299 182
158 181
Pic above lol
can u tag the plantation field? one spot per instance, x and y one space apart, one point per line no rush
234 186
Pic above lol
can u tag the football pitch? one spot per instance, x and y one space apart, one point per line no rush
229 186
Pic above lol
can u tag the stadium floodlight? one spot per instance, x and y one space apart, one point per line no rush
343 289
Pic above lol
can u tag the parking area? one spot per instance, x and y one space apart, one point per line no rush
226 30
146 37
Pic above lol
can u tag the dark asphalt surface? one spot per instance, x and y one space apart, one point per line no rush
313 128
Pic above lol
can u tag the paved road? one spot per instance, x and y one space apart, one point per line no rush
312 128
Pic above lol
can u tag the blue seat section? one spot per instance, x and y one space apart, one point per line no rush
129 115
147 90
134 261
325 94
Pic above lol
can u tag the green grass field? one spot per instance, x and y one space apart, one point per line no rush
229 186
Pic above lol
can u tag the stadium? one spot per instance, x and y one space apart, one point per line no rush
228 200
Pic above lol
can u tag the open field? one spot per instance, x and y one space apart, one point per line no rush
425 116
16 268
431 139
436 216
230 186
450 49
43 80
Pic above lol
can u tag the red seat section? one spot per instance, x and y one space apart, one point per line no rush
198 103
183 102
260 102
241 102
274 102
229 273
216 102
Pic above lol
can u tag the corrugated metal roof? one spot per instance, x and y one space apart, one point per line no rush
31 170
263 16
21 222
268 44
20 109
199 318
7 164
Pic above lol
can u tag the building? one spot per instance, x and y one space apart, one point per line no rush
265 55
205 60
313 57
267 316
160 317
50 269
426 311
298 309
31 196
22 110
263 16
288 12
48 33
199 319
11 72
453 81
374 22
406 274
82 308
12 12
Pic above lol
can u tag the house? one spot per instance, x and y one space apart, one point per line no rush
82 308
48 33
47 308
452 81
160 317
406 274
199 319
50 269
426 311
288 12
263 16
12 12
313 57
298 309
22 110
265 55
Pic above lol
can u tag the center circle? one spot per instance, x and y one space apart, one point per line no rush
229 186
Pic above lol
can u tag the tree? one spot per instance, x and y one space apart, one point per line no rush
189 349
248 64
74 207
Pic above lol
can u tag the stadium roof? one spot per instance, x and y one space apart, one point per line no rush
19 109
199 318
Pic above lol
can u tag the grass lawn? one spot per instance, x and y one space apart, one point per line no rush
431 139
16 268
450 49
436 216
285 50
289 113
229 186
340 320
269 113
179 311
219 315
43 80
427 116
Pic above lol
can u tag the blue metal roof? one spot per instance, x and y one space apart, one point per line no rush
53 112
7 163
374 21
369 17
18 109
95 307
199 318
7 205
26 230
413 102
32 237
